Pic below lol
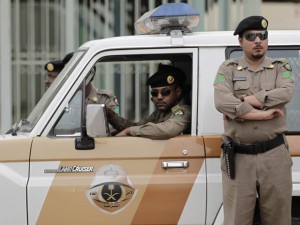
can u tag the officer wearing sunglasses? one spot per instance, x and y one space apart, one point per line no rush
251 92
172 114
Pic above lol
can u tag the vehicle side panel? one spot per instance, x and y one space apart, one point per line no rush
150 194
14 167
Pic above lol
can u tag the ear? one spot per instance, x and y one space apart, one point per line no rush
240 41
178 91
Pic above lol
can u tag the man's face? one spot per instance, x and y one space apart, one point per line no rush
51 76
166 97
254 43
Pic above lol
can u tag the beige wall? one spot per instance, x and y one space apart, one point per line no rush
282 15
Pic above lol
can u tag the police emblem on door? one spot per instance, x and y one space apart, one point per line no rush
111 189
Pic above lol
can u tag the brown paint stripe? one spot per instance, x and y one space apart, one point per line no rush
294 144
15 150
168 190
213 146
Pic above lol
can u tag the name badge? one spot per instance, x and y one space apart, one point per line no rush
239 78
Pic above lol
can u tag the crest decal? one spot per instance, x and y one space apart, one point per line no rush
111 190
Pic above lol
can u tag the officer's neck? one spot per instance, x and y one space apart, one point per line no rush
88 89
254 62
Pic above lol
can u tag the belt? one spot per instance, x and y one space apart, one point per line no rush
259 147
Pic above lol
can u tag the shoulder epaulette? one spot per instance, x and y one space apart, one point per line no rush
230 61
285 63
109 93
177 110
280 60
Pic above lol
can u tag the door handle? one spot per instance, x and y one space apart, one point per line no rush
175 164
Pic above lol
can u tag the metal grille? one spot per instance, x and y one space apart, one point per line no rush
293 112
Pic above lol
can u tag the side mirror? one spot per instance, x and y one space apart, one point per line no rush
96 121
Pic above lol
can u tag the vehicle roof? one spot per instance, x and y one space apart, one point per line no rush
213 38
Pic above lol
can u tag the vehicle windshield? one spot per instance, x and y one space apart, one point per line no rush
49 95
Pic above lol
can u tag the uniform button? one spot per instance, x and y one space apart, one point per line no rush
255 128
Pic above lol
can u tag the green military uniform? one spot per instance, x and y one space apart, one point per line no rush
159 125
106 97
272 83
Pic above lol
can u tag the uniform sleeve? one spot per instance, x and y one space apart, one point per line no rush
120 123
284 90
111 102
175 125
225 101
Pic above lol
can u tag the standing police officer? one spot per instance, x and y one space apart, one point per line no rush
172 115
251 93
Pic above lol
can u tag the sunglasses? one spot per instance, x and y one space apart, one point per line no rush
252 36
164 92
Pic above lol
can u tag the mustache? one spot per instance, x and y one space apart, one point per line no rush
258 46
159 102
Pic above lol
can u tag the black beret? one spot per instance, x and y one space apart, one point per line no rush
166 75
54 66
251 23
67 58
58 65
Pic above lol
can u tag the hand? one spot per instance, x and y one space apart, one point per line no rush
125 132
225 117
256 114
252 100
272 113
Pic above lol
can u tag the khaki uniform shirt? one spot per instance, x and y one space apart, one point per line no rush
272 83
159 125
106 97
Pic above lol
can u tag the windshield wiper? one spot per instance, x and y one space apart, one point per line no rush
13 130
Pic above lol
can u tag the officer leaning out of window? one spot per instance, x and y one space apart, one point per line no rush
172 115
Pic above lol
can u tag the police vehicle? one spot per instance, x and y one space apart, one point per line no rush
60 165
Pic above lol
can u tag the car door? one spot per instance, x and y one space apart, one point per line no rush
14 169
122 180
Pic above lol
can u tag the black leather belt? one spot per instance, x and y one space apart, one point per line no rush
259 147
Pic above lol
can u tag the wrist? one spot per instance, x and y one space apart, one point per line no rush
242 97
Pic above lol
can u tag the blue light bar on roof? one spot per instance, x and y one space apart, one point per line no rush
168 17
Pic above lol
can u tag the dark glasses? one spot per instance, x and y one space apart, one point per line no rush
252 36
164 92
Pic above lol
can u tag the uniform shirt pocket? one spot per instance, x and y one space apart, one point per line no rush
241 88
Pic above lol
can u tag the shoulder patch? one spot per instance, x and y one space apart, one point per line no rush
220 78
288 75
